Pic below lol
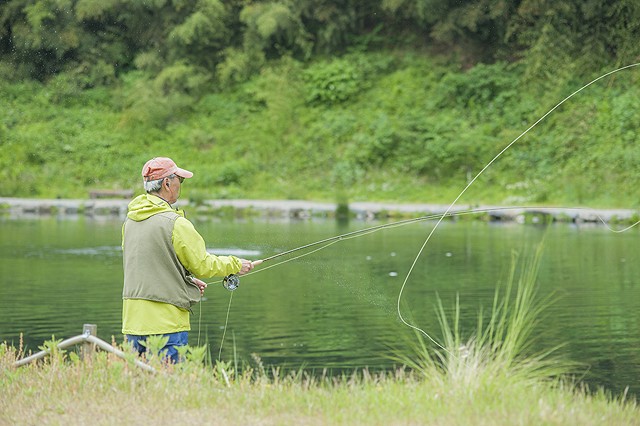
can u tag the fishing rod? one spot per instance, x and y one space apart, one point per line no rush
232 282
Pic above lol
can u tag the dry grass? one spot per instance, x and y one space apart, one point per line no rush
107 390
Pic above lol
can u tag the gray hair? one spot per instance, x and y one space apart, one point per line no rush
155 185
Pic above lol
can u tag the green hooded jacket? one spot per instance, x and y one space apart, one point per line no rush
161 249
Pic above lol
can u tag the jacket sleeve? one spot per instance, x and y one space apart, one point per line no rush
192 253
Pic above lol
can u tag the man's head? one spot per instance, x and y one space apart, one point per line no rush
161 175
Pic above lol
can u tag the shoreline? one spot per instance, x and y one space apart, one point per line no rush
302 209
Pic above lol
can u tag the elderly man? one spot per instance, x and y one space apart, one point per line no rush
163 257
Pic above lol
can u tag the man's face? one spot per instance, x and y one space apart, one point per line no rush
174 189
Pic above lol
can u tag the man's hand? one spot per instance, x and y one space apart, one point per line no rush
247 266
201 284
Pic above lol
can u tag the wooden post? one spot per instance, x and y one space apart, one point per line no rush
88 348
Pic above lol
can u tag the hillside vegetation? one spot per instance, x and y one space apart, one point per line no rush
267 100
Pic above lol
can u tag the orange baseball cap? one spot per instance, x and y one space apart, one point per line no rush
161 167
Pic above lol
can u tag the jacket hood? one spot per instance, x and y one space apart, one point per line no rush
146 205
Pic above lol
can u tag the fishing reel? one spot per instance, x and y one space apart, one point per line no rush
231 282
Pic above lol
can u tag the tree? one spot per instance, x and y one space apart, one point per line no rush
575 34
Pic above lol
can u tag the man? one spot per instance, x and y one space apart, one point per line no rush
163 255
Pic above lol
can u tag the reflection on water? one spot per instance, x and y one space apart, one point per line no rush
233 251
335 309
91 251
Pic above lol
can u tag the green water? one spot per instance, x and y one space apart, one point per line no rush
336 308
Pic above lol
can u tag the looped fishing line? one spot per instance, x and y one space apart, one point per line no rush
415 261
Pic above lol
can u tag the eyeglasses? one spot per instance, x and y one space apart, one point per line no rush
180 178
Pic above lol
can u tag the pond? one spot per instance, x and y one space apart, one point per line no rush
335 309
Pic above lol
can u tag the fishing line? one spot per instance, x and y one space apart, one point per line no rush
199 319
226 322
415 261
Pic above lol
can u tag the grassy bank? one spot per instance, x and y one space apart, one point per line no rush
106 392
383 126
486 377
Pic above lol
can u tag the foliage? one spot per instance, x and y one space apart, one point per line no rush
181 78
457 21
282 99
411 121
203 35
274 28
339 80
55 354
565 37
96 41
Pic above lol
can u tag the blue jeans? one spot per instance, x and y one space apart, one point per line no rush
169 351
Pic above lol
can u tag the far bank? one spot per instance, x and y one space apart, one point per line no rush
303 209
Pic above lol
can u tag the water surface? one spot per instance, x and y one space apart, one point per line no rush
335 309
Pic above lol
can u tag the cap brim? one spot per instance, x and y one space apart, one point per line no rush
183 173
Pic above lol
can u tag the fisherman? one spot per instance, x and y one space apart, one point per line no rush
163 258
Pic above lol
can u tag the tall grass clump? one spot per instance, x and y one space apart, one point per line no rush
498 355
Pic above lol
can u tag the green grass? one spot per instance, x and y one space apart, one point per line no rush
489 377
108 391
